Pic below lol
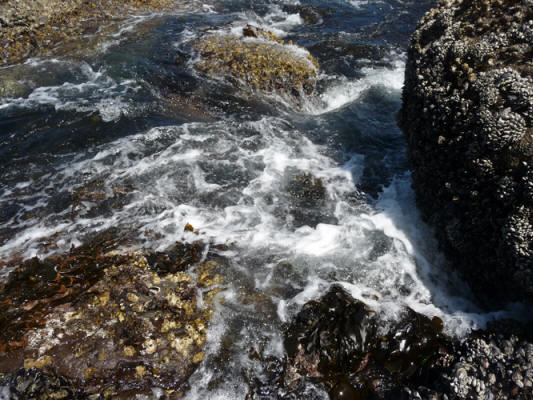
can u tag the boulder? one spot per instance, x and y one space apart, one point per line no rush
340 340
258 60
467 115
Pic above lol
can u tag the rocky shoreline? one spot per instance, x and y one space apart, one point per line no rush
468 117
101 323
31 28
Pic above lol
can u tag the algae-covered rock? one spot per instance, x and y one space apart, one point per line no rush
111 324
467 114
259 60
336 339
29 28
340 346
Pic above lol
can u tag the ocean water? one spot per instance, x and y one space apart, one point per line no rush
123 137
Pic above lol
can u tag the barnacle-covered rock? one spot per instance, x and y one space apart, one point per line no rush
258 60
501 129
110 323
468 116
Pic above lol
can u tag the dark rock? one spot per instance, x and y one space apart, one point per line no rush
178 257
337 47
307 200
468 117
35 384
336 338
339 345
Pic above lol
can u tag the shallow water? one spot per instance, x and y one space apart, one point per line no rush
121 136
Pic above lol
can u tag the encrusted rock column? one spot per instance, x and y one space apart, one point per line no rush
468 117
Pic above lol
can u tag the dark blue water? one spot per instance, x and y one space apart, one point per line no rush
122 136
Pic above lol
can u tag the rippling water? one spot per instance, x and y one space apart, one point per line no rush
120 136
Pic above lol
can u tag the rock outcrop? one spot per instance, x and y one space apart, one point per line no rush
468 117
258 59
98 323
29 28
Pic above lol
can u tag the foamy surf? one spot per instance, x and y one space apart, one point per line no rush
303 197
342 91
89 91
255 216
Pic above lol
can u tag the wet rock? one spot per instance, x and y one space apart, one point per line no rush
95 198
258 33
337 47
307 200
12 85
28 28
36 384
178 257
307 188
468 116
258 60
108 323
336 338
340 346
493 363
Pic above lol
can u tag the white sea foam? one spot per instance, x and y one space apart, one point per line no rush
5 393
93 91
276 21
344 91
361 3
173 166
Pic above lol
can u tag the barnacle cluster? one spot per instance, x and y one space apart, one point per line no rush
468 116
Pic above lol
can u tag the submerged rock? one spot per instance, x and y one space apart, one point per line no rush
468 117
307 200
258 60
109 324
